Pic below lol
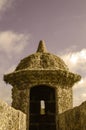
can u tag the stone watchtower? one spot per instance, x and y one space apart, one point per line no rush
42 88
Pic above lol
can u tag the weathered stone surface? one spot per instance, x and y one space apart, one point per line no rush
11 119
65 99
42 48
42 61
21 78
45 70
73 119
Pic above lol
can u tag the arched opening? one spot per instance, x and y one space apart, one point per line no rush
42 108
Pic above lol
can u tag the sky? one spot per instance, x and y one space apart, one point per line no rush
61 23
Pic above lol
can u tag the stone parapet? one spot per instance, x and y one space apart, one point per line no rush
73 119
11 119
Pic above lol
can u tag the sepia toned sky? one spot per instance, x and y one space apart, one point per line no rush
61 23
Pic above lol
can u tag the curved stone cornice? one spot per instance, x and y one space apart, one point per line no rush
61 77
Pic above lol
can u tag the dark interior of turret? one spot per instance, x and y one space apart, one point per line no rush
42 108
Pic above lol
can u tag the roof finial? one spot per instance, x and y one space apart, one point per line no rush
42 47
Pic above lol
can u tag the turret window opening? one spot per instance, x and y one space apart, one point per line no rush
42 107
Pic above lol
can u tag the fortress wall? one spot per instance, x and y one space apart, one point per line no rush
73 119
11 119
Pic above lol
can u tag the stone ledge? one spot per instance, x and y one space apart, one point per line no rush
30 76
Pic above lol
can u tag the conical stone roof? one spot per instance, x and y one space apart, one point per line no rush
42 59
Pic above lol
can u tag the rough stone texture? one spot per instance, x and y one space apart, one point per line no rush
42 61
21 101
11 119
64 98
73 119
42 48
46 69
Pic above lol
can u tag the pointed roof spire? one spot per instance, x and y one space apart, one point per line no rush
42 47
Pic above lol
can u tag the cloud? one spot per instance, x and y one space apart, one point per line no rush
76 62
12 42
79 92
11 69
12 45
5 92
5 4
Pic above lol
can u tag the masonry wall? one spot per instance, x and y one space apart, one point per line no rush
73 119
65 99
11 119
20 101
